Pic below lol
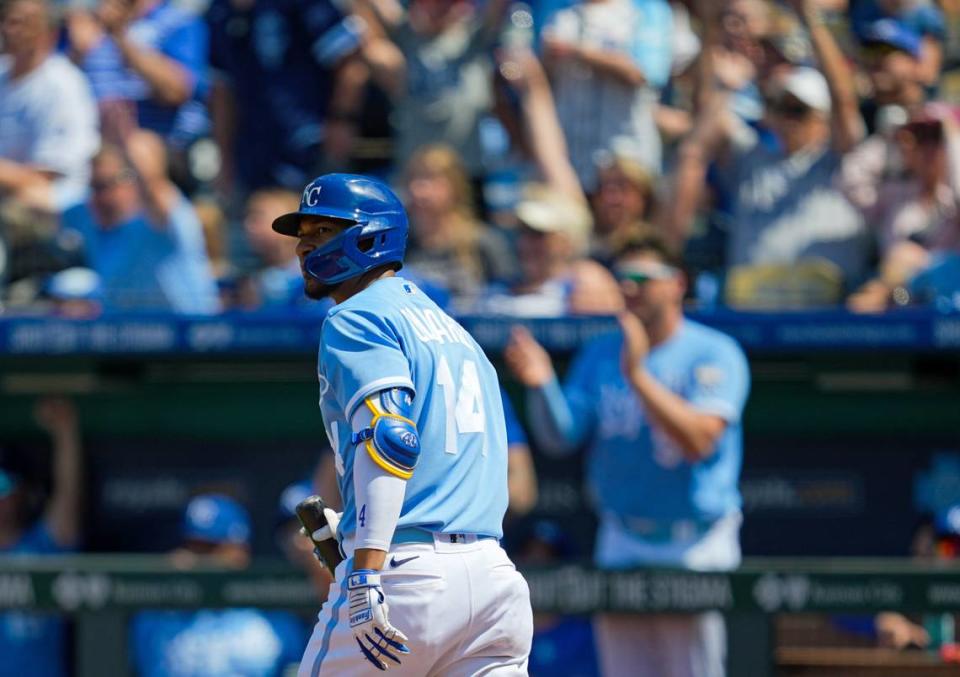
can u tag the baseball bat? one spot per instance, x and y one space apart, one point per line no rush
310 513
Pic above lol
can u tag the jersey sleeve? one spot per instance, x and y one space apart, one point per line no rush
578 386
360 355
720 382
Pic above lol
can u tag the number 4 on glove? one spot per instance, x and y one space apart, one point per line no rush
368 619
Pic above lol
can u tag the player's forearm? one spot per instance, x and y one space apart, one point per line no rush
379 500
694 432
552 422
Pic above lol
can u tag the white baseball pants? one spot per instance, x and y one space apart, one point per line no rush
665 645
464 607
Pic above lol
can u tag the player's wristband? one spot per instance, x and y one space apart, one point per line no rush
363 578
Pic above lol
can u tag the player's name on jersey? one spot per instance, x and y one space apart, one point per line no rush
430 326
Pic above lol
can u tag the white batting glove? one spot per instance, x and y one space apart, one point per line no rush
329 531
375 636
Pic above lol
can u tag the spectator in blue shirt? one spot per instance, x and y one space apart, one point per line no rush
149 53
35 644
921 17
141 235
277 64
215 642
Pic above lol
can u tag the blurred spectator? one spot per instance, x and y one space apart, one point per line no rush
936 539
34 248
35 644
434 59
141 235
48 120
905 185
562 645
296 546
622 205
938 283
213 223
521 474
607 60
74 292
921 17
556 277
278 283
147 62
659 408
215 642
785 207
449 247
539 148
281 88
890 53
685 45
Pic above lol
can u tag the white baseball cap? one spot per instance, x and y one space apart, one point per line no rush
547 210
809 86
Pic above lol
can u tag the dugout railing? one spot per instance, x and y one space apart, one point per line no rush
98 594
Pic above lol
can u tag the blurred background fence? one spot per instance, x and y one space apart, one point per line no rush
767 602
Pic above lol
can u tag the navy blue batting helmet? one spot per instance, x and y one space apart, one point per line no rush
378 237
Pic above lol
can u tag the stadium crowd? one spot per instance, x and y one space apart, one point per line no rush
800 153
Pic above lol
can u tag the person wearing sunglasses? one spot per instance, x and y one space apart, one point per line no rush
657 406
783 204
141 235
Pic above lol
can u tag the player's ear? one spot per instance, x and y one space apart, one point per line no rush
682 282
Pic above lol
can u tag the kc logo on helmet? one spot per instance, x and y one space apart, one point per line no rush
311 196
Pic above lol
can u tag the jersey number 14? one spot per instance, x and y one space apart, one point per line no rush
464 405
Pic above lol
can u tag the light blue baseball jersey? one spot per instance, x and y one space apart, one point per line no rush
392 335
634 468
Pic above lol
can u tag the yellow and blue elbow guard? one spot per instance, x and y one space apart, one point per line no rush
391 439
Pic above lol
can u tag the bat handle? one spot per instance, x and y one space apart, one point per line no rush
310 513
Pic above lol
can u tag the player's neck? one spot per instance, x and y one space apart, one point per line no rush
356 285
664 327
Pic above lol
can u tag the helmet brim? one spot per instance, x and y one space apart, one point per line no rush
289 224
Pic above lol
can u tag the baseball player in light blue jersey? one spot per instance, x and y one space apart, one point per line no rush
658 406
412 409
